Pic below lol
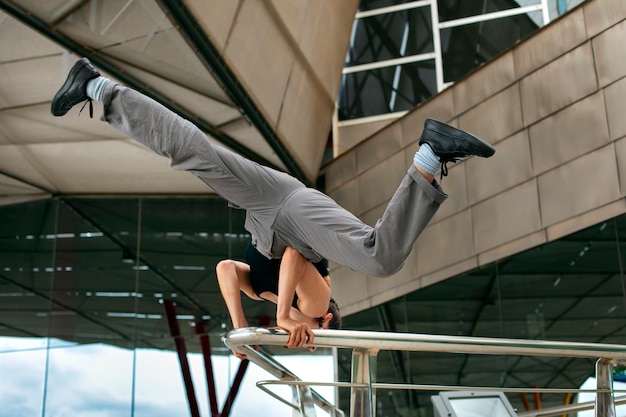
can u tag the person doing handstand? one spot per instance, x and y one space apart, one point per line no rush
310 305
281 211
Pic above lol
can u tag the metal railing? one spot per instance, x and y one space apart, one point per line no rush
304 399
366 345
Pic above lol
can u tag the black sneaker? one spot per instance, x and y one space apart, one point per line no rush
74 90
450 143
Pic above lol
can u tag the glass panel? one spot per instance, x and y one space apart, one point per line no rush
159 385
408 33
89 380
391 35
89 282
82 284
181 242
26 253
386 90
22 366
466 47
26 264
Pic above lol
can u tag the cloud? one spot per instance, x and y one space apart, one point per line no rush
96 381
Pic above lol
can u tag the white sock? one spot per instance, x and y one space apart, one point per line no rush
95 88
426 159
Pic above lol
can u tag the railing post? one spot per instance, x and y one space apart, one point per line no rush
605 406
363 399
302 396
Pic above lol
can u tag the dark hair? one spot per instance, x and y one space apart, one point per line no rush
335 322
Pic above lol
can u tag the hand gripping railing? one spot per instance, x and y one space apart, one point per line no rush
366 346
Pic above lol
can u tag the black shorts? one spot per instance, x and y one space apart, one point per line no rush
264 272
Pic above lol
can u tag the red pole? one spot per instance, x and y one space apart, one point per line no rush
205 345
537 401
181 349
524 401
234 389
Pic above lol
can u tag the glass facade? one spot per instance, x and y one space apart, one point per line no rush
397 47
84 330
81 287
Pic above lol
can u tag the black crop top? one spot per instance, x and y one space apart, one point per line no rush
264 272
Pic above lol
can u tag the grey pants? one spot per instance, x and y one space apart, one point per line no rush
280 210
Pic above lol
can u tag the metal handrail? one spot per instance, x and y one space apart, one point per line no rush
367 344
304 398
566 409
428 343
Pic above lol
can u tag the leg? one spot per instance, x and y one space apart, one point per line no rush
241 181
313 223
233 279
257 189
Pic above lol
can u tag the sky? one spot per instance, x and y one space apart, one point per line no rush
96 381
589 384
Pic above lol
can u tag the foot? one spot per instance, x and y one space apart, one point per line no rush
450 144
74 90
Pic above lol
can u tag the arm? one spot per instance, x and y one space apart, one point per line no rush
294 313
292 268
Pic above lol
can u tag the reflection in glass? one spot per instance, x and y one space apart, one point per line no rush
22 366
392 35
469 46
386 90
373 81
86 279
